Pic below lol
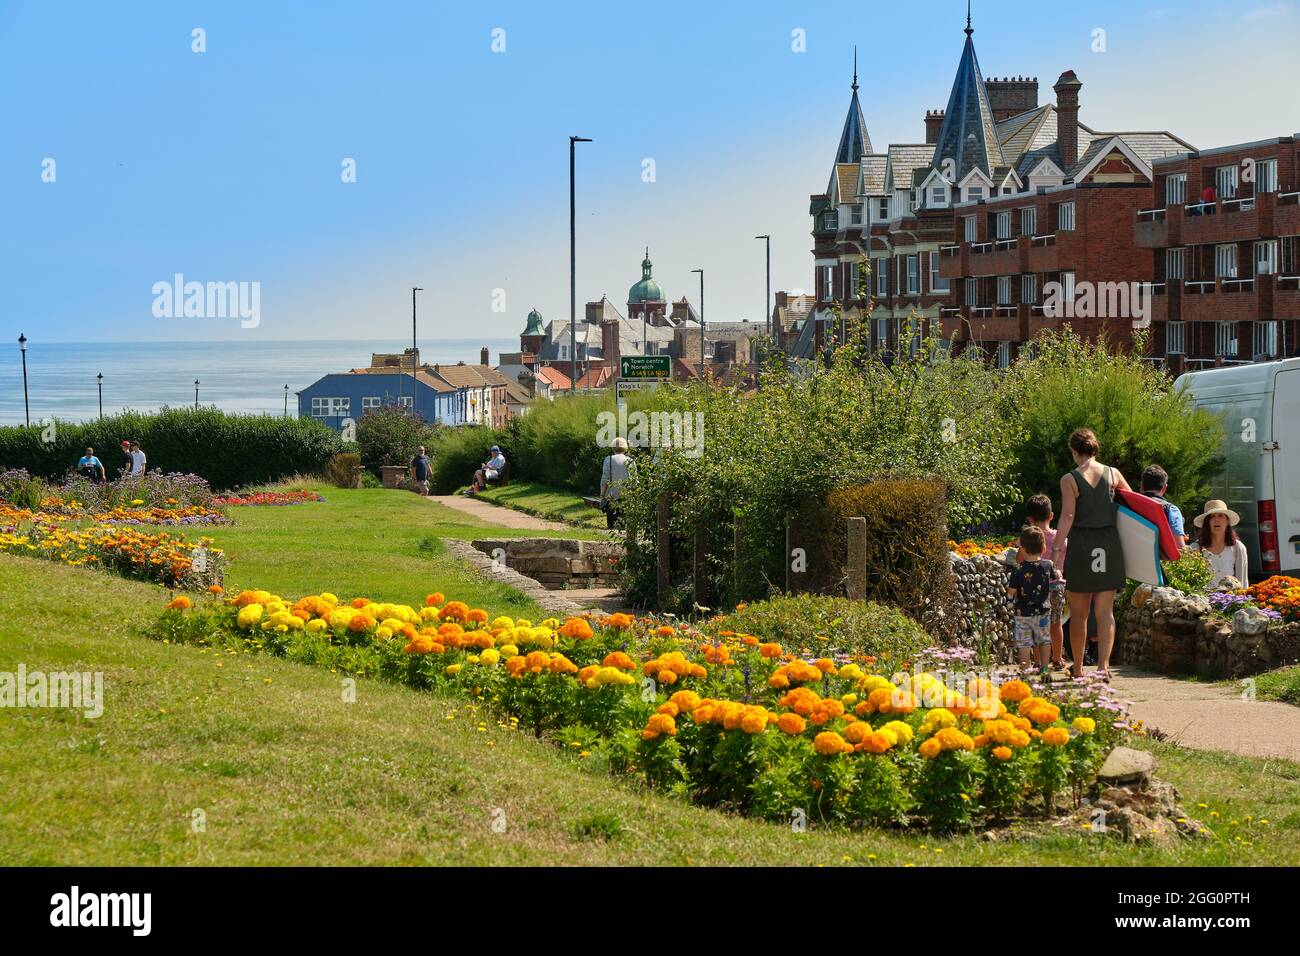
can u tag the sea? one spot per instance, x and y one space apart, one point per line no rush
242 376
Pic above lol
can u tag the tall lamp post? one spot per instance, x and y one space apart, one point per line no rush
414 363
701 272
767 303
99 380
573 271
22 347
196 394
286 400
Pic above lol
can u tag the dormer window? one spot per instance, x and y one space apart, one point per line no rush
831 220
856 216
974 193
938 197
884 208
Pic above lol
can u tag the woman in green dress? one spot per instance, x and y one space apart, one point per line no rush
1087 549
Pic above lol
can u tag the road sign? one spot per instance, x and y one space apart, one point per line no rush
646 367
622 387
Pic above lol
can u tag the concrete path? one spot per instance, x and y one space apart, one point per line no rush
497 515
1207 716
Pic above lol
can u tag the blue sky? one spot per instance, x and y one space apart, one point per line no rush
225 165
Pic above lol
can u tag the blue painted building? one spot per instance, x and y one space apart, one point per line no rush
342 395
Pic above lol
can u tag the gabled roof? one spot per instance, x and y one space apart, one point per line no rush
421 376
596 377
1147 146
871 175
903 161
968 136
516 394
553 377
844 187
461 376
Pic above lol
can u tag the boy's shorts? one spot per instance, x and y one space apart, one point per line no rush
1030 632
1056 600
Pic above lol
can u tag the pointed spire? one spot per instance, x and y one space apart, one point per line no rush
969 30
968 136
854 141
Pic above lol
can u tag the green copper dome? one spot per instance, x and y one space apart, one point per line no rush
647 290
534 326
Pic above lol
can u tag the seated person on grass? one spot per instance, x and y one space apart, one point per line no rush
490 470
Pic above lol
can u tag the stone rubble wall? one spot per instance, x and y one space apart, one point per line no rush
982 608
1171 632
558 563
553 601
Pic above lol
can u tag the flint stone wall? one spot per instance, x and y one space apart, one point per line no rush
557 563
982 608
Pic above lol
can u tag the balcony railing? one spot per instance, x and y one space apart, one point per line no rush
976 248
1200 209
1002 245
1006 310
1200 287
981 311
1042 241
1288 199
1290 283
1239 204
953 250
1237 285
1152 215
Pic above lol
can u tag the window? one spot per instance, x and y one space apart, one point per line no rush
1266 176
370 401
974 192
884 208
1174 264
330 407
1225 339
937 283
1004 290
1003 225
1065 217
1028 221
1225 260
1067 286
970 229
857 216
1004 354
1265 339
913 275
972 292
1029 288
1176 189
855 275
882 333
1175 338
828 282
914 200
405 401
1266 257
938 197
1225 182
831 220
881 270
1007 189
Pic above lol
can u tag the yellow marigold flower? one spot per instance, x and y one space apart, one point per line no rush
830 744
509 650
249 615
685 701
490 657
452 670
1014 690
903 732
791 724
1002 753
1084 725
986 708
1056 736
851 672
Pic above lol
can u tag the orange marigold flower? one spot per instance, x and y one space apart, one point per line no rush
434 599
360 623
770 650
830 744
754 721
216 589
668 708
576 628
620 660
360 602
619 621
455 611
825 665
1014 690
666 677
179 603
664 631
685 701
1056 736
1002 752
791 724
930 748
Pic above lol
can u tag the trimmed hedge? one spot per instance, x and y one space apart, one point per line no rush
228 450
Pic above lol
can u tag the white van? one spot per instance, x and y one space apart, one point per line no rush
1261 477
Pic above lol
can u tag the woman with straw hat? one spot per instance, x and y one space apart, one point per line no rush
1219 543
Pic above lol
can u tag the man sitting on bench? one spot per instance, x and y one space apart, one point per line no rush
490 471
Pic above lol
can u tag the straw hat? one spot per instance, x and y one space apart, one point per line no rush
1217 507
620 444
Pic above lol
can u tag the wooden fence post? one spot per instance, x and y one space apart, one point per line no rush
699 571
663 548
855 569
735 559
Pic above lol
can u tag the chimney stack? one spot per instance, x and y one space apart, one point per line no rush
483 356
933 123
1011 95
1067 118
609 342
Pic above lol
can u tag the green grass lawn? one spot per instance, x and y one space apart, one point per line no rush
284 771
1282 684
544 501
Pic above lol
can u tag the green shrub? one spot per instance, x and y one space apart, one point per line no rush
457 453
228 450
390 436
1191 573
1132 406
344 470
818 624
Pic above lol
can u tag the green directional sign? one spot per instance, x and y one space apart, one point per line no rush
646 366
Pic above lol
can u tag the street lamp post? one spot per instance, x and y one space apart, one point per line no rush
414 392
196 394
99 380
22 347
286 401
767 303
573 271
701 272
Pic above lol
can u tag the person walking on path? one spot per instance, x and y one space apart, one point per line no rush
616 469
1088 550
126 459
1219 542
420 471
91 467
138 462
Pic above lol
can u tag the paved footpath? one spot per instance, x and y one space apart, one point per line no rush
497 515
1207 716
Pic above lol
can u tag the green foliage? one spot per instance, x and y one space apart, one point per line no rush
228 450
880 795
817 624
343 469
390 435
947 790
1138 417
1190 574
457 453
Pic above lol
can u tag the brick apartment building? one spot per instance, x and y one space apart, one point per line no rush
1226 264
967 229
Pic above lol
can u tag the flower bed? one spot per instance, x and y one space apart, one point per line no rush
987 547
729 721
273 498
161 557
